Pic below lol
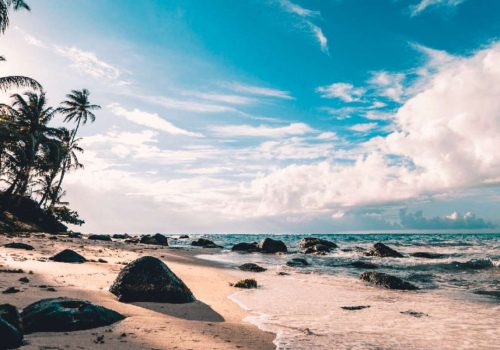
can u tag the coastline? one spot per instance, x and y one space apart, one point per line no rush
212 322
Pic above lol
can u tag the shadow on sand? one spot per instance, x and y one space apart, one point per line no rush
195 311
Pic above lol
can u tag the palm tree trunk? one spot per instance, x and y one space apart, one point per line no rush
61 177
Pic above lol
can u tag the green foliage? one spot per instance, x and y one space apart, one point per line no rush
64 214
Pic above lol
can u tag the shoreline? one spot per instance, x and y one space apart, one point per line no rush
214 321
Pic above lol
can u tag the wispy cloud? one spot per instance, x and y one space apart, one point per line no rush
344 91
151 120
306 17
263 130
185 104
363 127
425 4
259 91
388 84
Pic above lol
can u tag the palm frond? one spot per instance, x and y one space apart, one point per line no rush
19 82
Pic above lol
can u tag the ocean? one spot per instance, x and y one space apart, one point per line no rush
457 306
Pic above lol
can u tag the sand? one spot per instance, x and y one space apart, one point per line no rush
212 322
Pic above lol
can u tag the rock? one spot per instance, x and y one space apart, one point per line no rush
156 239
149 279
297 262
10 337
246 247
252 267
106 238
384 280
205 243
363 265
318 249
10 314
65 315
383 251
354 308
24 280
74 235
11 290
428 255
272 246
132 240
491 293
246 283
15 245
68 256
413 313
282 273
121 236
184 237
309 242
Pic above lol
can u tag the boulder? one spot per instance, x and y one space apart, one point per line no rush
384 280
383 251
246 283
68 256
10 337
205 243
10 314
100 238
149 279
65 315
363 265
428 255
318 249
246 247
252 267
132 241
184 237
297 262
156 239
74 235
120 236
272 246
309 242
15 245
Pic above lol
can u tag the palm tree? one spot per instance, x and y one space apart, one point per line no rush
14 80
78 108
31 116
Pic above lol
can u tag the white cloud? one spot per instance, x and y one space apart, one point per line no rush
320 36
151 120
298 10
388 84
327 136
425 4
224 98
294 148
185 105
263 130
344 91
363 127
260 91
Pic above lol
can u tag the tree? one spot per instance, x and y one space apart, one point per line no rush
78 108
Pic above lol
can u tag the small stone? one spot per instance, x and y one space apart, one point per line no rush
246 283
252 267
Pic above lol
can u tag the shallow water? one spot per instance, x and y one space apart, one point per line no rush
305 307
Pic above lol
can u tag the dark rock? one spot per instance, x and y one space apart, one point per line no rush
309 242
106 238
121 236
384 280
383 251
363 265
413 313
102 261
65 315
246 283
132 240
14 245
297 262
318 249
205 243
11 290
282 273
24 280
491 293
156 239
74 235
184 237
354 308
252 267
10 337
68 256
149 279
428 255
10 314
272 246
246 247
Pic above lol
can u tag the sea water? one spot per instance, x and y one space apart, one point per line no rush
305 307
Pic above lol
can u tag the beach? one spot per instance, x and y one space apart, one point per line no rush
292 308
211 322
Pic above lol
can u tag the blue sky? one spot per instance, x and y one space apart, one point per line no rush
275 116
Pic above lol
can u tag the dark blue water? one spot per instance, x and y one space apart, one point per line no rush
467 262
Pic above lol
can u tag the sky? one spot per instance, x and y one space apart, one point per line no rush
282 116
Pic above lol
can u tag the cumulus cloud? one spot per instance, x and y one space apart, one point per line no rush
455 220
263 130
344 91
363 127
151 120
388 84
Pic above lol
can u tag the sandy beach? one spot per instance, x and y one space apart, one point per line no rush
212 322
